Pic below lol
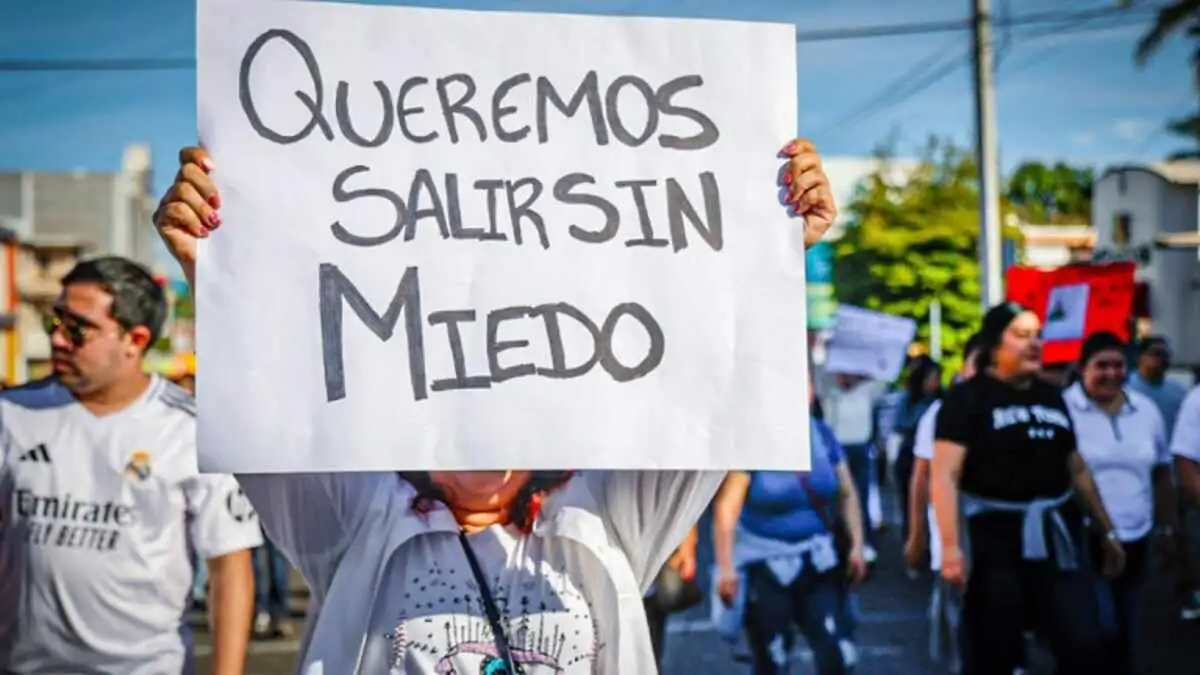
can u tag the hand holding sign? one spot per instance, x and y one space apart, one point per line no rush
189 208
550 243
808 190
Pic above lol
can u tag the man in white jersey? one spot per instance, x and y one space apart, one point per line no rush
101 504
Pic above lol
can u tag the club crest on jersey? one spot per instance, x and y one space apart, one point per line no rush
139 465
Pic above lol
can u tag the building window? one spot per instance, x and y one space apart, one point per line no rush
1122 223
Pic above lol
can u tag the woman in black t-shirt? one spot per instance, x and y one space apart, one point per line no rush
1005 465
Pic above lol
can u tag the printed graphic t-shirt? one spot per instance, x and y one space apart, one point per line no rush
1017 442
392 590
98 520
430 617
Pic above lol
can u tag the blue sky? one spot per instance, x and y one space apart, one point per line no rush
1068 93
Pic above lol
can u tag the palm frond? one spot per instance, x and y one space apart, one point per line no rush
1170 19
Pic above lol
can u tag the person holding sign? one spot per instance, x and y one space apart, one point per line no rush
487 571
1005 467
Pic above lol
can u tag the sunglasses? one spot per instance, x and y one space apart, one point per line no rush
76 328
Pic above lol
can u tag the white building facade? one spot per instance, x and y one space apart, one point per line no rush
1134 209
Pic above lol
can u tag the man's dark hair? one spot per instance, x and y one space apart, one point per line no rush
973 344
1151 342
138 300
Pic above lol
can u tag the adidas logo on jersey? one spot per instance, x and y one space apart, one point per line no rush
38 454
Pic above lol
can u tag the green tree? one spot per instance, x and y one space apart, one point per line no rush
1181 16
1048 195
911 238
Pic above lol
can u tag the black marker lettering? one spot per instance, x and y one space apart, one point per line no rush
589 90
654 355
403 111
342 195
612 217
708 134
313 103
460 380
500 111
639 201
679 208
495 345
454 212
558 369
459 107
492 187
524 210
347 128
611 110
423 182
334 289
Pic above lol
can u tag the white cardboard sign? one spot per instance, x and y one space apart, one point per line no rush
869 343
485 240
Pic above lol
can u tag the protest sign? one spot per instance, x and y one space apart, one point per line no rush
488 240
868 343
1074 302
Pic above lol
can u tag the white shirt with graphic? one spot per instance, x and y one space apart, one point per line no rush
99 517
430 617
393 592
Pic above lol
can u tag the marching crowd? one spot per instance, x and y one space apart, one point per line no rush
1036 502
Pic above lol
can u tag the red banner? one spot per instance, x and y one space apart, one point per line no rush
1074 302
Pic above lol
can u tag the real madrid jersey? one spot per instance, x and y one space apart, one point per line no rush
99 517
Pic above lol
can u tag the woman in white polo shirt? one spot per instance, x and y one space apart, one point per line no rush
1122 438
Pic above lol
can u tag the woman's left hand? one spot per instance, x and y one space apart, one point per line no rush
856 565
1114 557
683 561
808 190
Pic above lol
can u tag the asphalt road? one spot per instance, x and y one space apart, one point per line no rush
892 639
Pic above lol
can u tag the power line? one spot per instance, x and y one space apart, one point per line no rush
822 35
955 25
925 74
917 79
1130 19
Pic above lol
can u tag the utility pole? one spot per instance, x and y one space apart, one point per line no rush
986 154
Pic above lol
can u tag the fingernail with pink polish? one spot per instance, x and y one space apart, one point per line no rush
214 219
207 164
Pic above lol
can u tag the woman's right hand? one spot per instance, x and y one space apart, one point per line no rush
954 567
189 209
727 587
915 553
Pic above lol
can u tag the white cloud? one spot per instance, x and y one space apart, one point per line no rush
1083 139
1131 130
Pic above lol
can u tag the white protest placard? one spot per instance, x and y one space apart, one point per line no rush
486 240
868 343
1066 312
